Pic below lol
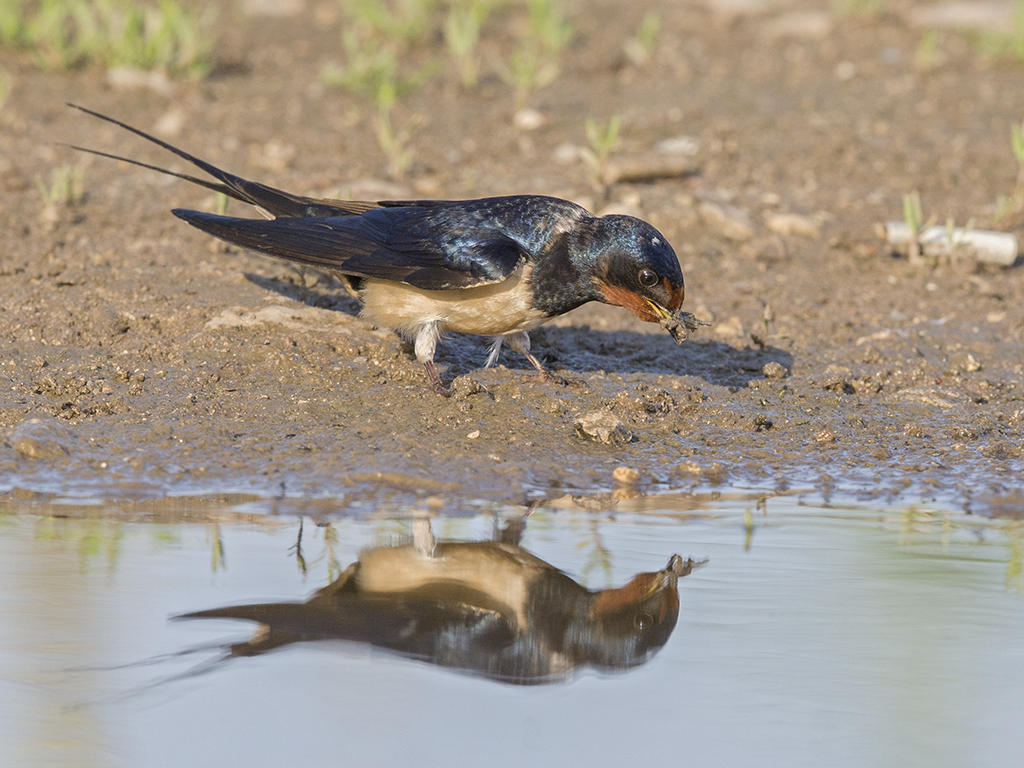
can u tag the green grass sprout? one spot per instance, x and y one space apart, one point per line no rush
65 186
66 34
601 141
462 27
640 47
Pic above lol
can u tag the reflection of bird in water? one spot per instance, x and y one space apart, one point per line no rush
490 608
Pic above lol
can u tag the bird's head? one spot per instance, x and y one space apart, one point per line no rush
637 269
626 626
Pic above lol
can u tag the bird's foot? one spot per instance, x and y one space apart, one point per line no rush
554 378
435 380
465 386
547 376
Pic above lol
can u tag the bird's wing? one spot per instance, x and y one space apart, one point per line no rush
420 246
404 622
275 201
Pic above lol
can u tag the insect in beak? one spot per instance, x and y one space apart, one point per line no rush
679 324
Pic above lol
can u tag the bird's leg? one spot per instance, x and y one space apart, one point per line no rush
520 342
425 344
423 536
435 380
346 283
492 355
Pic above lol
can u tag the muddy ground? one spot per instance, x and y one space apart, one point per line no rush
140 360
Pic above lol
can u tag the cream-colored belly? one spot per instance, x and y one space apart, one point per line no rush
490 310
501 572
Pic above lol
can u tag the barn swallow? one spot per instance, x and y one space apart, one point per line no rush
496 266
488 608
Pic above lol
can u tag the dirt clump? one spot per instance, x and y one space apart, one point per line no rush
175 365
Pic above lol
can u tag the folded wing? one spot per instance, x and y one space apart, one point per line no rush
404 244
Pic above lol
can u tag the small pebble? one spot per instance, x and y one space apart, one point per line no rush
40 439
731 327
726 220
131 78
845 70
626 476
803 25
793 224
678 145
528 119
566 153
602 427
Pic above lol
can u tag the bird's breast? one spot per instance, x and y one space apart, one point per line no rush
488 310
501 572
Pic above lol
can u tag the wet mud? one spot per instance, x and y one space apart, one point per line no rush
141 360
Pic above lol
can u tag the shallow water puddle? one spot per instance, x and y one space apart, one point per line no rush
811 636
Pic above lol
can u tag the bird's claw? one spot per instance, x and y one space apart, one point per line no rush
566 381
465 386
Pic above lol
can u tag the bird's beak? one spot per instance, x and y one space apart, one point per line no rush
660 311
679 324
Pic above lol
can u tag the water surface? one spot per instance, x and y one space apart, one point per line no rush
838 636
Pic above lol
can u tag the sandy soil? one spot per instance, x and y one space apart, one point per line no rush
139 359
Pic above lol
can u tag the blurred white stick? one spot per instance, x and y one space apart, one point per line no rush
979 244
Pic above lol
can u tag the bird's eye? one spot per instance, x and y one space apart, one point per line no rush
647 278
642 621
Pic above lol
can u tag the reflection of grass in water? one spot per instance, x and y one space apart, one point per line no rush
598 559
918 528
94 538
331 552
1015 565
452 529
165 535
916 520
218 557
328 553
913 521
390 532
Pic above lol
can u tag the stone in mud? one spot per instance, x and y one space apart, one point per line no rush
726 220
467 386
626 476
977 14
800 25
714 473
774 370
602 427
652 166
529 119
793 224
963 363
40 439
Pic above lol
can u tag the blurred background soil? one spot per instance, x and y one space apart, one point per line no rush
767 139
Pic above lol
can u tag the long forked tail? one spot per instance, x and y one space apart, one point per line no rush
275 201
